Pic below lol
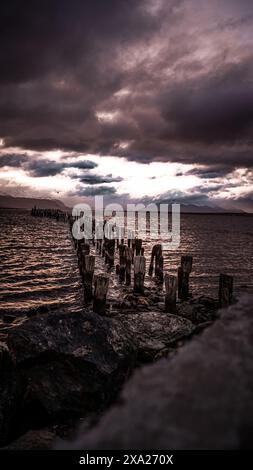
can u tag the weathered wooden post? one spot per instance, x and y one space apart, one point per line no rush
82 250
151 266
183 277
160 269
101 285
133 249
170 293
110 252
103 247
156 255
106 250
128 255
122 262
88 272
138 245
139 273
100 246
225 290
179 280
79 244
117 269
86 248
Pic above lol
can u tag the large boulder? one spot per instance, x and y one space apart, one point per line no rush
154 332
70 363
200 399
9 391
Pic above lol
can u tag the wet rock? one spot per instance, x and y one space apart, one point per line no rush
33 440
200 399
154 331
199 310
9 391
142 302
71 363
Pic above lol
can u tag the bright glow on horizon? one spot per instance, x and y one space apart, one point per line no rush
151 181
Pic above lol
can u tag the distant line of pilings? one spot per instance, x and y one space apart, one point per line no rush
131 254
56 214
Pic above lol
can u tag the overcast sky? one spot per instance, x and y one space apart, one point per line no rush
131 99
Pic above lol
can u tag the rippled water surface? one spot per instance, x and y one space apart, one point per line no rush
39 266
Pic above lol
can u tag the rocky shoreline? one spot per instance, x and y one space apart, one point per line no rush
59 368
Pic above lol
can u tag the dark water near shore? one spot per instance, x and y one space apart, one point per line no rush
39 265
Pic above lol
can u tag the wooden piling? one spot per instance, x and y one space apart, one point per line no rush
186 263
157 257
179 280
158 254
183 277
109 248
160 269
128 255
122 262
88 272
170 293
225 290
139 273
101 285
138 245
133 249
151 266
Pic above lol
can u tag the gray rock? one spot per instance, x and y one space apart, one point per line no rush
70 363
9 391
200 399
199 309
154 332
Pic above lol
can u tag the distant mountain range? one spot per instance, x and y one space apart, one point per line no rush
192 209
10 202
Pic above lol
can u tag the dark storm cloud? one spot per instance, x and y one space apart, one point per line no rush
186 67
12 160
42 167
214 108
42 36
210 172
97 191
97 179
82 165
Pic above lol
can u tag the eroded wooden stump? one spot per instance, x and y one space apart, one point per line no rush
128 254
122 262
101 285
225 290
88 272
170 294
139 273
183 277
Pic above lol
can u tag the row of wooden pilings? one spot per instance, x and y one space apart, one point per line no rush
130 254
56 214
